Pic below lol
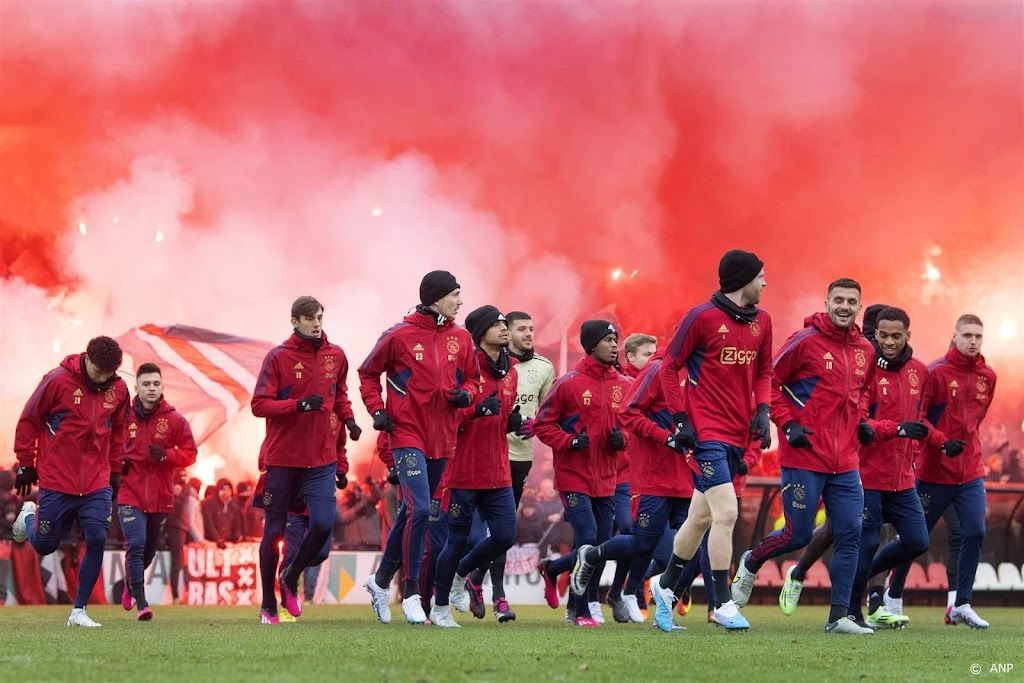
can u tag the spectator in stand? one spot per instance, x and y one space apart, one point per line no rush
175 530
193 511
1013 467
251 517
221 518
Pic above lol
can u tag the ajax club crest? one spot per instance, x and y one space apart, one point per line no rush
755 329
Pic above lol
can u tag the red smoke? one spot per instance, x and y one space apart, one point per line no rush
531 148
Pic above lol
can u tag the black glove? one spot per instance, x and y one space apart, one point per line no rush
865 433
26 477
115 484
686 435
157 453
742 468
953 448
393 476
617 439
125 466
489 406
460 398
342 480
221 545
759 426
515 421
312 402
913 430
580 442
382 421
673 443
354 431
796 434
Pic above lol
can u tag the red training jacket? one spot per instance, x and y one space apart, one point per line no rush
819 375
622 475
726 361
656 469
481 452
148 485
956 398
70 432
887 463
292 371
423 362
590 396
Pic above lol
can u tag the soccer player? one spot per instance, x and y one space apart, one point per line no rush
893 398
819 375
302 394
477 479
950 471
431 371
723 348
536 375
658 473
579 421
159 441
638 348
70 441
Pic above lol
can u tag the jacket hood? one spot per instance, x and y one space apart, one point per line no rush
961 360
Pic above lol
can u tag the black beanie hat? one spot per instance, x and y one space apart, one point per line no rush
871 319
435 285
736 269
593 331
480 320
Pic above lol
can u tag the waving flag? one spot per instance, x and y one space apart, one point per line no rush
208 376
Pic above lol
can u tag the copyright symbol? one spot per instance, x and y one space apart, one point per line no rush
975 668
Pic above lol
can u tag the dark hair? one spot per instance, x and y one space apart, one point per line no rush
894 314
148 368
305 305
516 315
968 319
848 283
104 353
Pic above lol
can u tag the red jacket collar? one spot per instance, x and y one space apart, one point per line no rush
824 324
958 359
589 366
303 344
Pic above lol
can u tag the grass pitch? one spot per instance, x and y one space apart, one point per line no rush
347 644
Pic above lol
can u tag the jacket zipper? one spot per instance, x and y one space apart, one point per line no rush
972 383
846 366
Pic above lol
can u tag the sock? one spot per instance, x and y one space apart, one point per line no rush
615 592
961 601
723 591
838 612
951 599
799 573
411 588
138 590
382 579
593 555
874 599
895 593
671 574
440 599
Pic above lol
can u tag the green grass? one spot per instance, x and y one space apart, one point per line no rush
347 644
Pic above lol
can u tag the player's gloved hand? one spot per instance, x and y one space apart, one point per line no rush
759 426
393 476
515 421
460 398
342 480
221 545
673 443
115 484
580 442
685 433
617 439
526 430
865 433
157 453
742 468
796 434
953 447
382 421
354 430
488 407
913 430
125 466
309 403
24 480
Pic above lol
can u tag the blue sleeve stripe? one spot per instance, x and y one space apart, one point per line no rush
647 376
34 399
792 344
684 329
380 342
264 378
